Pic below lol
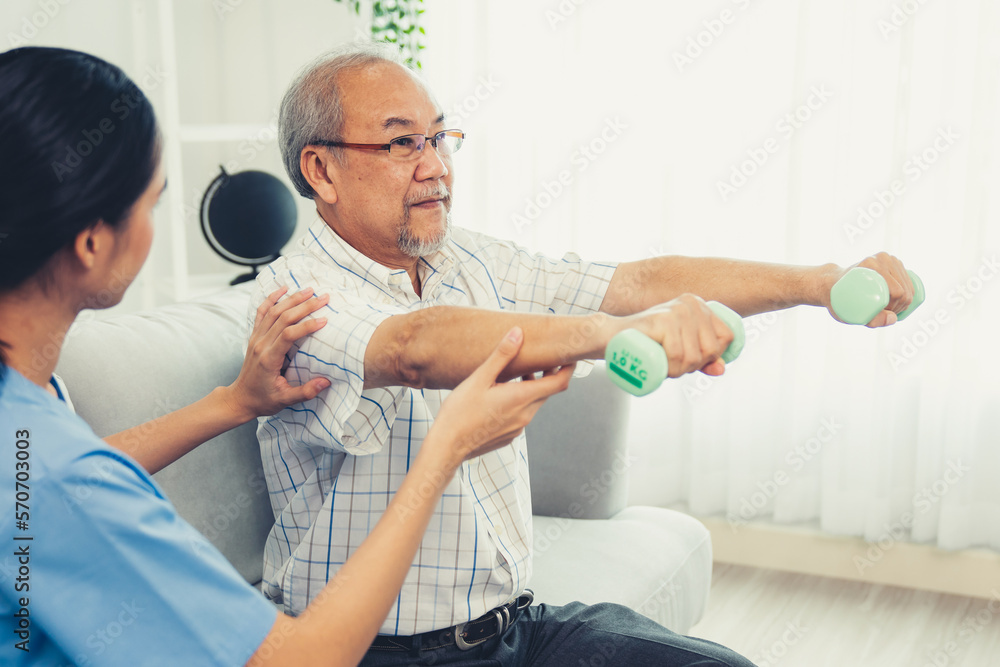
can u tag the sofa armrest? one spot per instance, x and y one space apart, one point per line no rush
650 559
577 450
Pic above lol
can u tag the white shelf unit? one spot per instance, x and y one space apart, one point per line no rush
297 30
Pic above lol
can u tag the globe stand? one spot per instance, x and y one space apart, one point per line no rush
246 277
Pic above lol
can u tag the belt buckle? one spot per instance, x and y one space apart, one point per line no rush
460 628
529 594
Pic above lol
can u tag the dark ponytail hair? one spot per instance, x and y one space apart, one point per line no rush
79 144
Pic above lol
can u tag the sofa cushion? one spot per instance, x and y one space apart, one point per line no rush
577 450
654 560
128 369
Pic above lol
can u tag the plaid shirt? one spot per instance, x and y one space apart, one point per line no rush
333 463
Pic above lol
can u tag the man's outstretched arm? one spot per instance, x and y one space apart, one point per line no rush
746 287
439 347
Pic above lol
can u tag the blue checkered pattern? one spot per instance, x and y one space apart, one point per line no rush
333 463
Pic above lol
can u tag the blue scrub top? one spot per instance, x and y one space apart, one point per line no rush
96 566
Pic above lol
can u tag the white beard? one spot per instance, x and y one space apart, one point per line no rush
412 246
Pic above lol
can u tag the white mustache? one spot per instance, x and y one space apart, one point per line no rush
440 192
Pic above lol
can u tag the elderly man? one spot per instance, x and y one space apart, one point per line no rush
415 306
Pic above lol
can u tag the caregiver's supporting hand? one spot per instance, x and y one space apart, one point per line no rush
260 389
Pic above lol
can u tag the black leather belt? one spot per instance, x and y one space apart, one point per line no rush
464 635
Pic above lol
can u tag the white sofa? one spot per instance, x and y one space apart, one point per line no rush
589 546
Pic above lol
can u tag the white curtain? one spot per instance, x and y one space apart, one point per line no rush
795 131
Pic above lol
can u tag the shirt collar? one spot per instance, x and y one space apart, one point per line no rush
324 243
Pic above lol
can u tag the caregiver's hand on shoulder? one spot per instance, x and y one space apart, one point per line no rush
261 388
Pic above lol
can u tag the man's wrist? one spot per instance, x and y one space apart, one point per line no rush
819 283
608 326
589 337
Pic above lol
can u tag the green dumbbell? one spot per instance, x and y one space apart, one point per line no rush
638 364
862 294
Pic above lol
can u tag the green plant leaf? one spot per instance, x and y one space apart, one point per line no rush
386 29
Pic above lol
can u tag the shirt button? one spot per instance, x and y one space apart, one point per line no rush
499 529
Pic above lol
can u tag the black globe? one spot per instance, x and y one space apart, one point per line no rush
248 217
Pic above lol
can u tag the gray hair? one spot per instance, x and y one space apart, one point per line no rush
312 108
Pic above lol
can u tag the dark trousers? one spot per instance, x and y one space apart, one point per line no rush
574 635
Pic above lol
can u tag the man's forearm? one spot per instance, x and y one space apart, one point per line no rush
746 287
437 348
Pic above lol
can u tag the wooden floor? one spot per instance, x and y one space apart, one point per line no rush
794 620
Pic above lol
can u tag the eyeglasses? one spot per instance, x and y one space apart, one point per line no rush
444 142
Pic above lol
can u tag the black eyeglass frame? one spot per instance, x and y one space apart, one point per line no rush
418 149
